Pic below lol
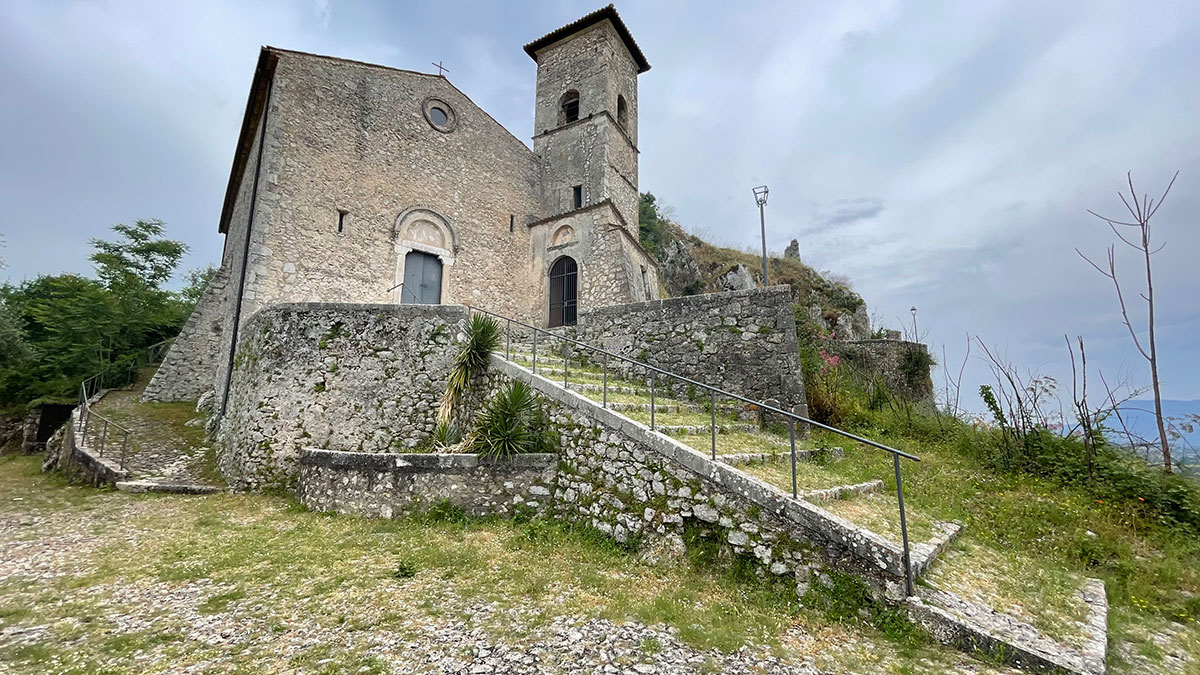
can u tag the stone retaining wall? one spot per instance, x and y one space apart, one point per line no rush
365 378
388 485
892 362
630 483
740 341
191 363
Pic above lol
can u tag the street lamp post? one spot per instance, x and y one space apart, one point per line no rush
916 336
760 196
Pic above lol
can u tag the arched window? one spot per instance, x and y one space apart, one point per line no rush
622 113
564 291
568 108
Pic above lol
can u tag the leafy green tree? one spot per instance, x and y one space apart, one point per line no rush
194 283
134 268
71 327
652 225
13 348
140 258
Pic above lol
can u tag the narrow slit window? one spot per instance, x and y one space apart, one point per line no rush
577 196
342 220
512 222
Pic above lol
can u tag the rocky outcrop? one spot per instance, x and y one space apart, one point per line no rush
736 279
793 250
679 271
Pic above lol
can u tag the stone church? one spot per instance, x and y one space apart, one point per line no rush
359 183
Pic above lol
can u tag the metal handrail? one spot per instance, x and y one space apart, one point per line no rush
85 418
713 392
90 386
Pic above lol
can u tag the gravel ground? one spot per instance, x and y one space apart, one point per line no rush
101 582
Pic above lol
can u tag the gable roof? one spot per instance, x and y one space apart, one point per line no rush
609 13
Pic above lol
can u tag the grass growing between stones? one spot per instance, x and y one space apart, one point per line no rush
251 583
160 428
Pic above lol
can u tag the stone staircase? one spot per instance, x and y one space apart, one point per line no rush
740 441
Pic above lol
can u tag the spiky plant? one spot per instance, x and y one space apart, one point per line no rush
507 425
446 436
483 336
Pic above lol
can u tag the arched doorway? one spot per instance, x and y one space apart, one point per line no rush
422 279
564 291
425 245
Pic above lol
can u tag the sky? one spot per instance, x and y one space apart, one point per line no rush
939 155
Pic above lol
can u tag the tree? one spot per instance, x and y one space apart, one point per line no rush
13 348
195 281
141 257
133 269
1140 213
652 225
73 327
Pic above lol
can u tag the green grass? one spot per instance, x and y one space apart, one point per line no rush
279 568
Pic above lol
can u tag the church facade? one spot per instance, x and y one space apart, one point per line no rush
358 183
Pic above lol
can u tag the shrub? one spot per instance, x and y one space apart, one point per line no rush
510 424
483 336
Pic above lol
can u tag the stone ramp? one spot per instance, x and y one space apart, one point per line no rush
168 450
953 620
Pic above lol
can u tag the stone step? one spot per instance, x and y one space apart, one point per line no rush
620 389
784 455
728 409
842 491
691 429
166 487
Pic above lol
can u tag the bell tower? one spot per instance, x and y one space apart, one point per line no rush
585 137
585 115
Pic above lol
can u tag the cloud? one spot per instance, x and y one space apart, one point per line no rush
940 155
848 211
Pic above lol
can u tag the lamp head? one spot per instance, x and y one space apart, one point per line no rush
760 195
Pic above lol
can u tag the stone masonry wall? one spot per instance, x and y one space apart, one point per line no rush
613 474
892 362
364 378
633 484
354 138
192 362
388 485
740 341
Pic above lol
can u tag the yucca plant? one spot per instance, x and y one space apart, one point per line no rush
483 336
446 436
508 424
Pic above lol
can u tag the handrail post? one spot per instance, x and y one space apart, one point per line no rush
792 438
908 577
87 419
508 341
712 417
605 405
535 334
653 405
566 349
103 437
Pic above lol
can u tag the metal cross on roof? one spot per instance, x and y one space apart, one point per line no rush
440 67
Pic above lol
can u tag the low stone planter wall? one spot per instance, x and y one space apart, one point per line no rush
388 485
